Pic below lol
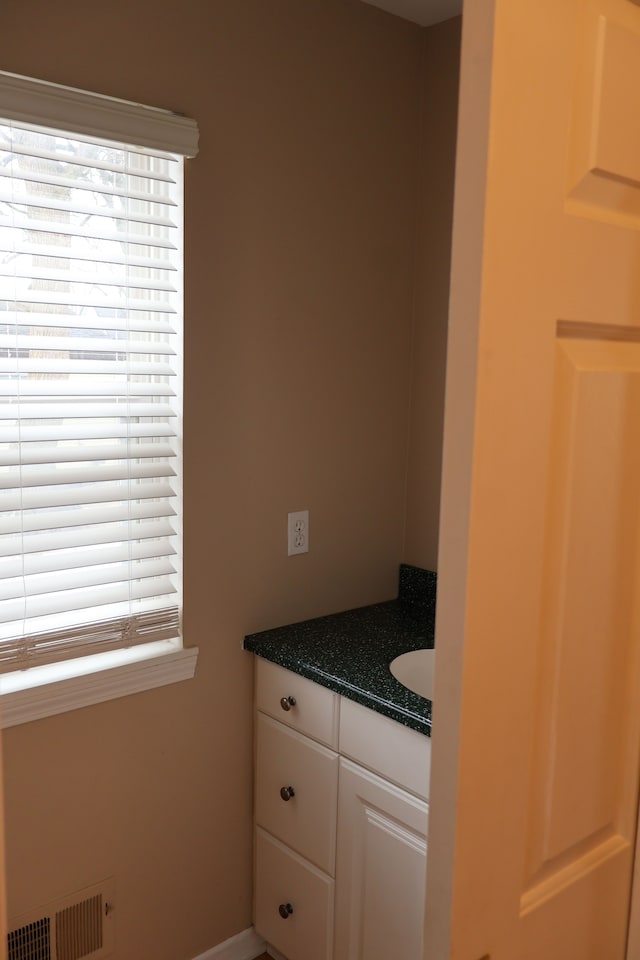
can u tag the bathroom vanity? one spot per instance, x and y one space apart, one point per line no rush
342 784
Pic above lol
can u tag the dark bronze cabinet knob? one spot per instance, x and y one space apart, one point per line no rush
287 702
285 910
287 792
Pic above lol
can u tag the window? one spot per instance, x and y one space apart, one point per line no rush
90 375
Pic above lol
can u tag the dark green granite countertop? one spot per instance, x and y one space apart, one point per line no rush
350 652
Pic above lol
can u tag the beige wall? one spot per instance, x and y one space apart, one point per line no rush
299 246
441 62
320 130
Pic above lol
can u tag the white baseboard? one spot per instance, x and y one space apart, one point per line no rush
244 946
274 953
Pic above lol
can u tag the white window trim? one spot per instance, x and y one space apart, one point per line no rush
80 112
57 688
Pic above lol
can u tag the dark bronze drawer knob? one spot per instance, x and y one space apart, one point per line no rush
285 910
287 702
287 792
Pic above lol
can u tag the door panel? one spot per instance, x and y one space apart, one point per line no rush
536 738
605 143
588 607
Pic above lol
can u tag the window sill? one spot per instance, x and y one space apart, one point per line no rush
45 691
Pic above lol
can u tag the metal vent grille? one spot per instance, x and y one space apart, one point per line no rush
79 929
74 927
31 942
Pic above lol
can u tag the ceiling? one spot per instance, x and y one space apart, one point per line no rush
424 12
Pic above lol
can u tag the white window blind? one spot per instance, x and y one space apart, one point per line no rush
90 380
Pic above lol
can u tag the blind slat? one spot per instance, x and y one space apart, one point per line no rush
79 558
83 598
107 278
78 453
98 302
12 137
85 430
37 585
93 410
86 514
92 231
58 539
41 498
78 255
46 204
66 365
137 322
16 179
49 389
85 345
33 480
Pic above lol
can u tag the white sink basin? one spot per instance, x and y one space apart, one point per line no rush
414 670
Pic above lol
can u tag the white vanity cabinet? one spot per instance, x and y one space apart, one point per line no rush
341 821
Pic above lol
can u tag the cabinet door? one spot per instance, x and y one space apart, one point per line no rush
380 868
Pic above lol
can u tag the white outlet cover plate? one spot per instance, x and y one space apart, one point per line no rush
298 532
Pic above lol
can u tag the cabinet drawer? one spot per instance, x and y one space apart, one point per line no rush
307 821
282 877
396 752
315 711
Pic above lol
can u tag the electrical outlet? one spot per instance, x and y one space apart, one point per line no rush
298 532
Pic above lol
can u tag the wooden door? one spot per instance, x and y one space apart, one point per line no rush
536 733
